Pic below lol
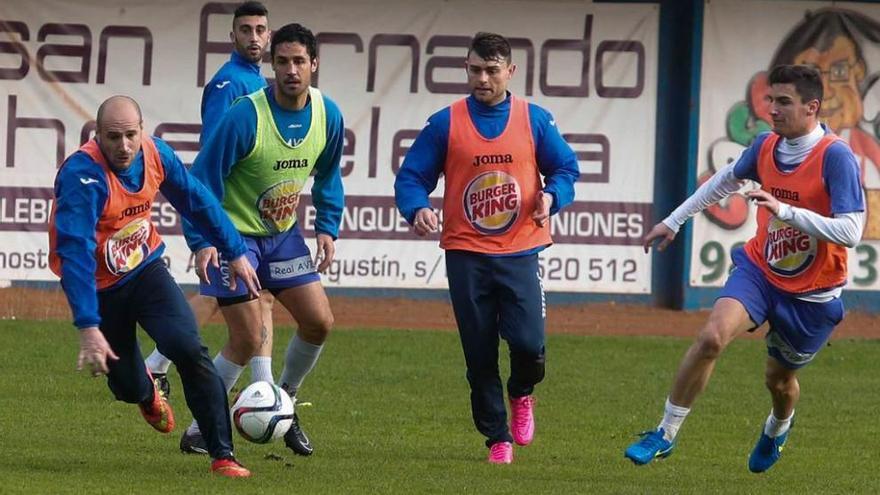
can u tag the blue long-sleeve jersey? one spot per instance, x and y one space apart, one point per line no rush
235 137
424 161
237 77
81 191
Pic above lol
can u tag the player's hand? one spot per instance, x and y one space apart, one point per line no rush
203 257
542 208
241 268
425 222
764 199
325 252
94 351
660 231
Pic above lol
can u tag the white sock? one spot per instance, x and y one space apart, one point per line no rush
298 362
673 417
775 427
157 363
229 373
261 369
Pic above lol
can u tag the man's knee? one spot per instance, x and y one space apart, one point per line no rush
780 383
183 352
245 341
326 322
527 367
245 345
318 327
710 341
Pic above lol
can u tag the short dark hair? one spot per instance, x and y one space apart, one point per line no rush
490 46
295 33
807 80
250 8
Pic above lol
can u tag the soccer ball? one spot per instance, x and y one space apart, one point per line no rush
262 412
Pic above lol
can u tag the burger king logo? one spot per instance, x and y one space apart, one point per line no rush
492 202
277 206
127 248
788 251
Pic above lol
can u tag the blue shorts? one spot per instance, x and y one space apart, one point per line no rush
281 261
798 329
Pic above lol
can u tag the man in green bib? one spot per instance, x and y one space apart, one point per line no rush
257 162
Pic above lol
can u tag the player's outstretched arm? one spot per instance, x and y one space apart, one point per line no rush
94 351
662 232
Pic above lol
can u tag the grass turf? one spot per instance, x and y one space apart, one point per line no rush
391 415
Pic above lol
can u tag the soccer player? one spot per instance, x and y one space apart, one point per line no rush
493 149
108 254
241 75
257 161
238 77
791 273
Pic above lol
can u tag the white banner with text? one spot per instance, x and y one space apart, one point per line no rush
594 66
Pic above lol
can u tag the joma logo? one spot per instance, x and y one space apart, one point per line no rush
492 159
295 163
780 193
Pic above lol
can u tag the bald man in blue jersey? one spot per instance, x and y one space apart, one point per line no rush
108 254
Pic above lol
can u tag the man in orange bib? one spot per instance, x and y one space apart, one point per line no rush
108 253
790 274
493 149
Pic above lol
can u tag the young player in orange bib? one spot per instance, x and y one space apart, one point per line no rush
810 209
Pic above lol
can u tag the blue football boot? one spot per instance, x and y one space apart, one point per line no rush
767 451
650 446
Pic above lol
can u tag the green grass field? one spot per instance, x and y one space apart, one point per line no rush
391 415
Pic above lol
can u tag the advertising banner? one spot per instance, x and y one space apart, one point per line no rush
593 66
